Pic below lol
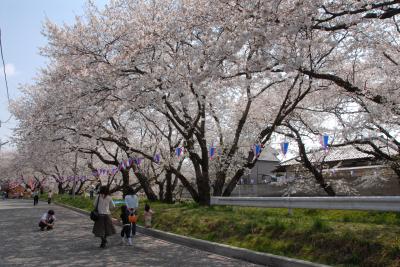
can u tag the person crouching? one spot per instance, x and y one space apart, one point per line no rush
47 220
126 226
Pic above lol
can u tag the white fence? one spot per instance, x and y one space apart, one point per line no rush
386 203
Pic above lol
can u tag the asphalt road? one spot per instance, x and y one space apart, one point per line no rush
72 243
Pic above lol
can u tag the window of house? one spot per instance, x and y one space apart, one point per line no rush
269 179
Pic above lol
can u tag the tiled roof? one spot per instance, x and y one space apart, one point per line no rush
348 152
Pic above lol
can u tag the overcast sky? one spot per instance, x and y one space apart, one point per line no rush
21 25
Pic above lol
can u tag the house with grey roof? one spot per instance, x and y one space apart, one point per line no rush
254 183
351 164
354 164
263 169
344 156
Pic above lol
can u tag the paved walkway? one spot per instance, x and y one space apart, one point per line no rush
71 243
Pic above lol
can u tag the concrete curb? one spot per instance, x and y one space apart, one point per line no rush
216 248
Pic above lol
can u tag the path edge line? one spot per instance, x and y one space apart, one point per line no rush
216 248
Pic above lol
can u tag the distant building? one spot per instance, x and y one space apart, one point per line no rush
360 170
341 160
262 174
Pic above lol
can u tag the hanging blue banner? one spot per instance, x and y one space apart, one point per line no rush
324 140
257 150
212 152
178 151
285 147
157 158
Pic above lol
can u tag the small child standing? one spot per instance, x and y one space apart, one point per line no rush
148 213
47 220
126 226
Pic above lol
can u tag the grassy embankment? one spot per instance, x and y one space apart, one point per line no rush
340 238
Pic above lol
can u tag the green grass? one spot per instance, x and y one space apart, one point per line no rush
337 237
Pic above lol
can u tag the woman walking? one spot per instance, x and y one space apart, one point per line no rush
104 227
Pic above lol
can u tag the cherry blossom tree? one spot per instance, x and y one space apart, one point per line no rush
145 77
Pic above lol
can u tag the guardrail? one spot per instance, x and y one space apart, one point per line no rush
384 203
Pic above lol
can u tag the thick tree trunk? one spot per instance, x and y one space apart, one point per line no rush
316 173
60 189
200 165
233 182
161 190
125 182
169 187
251 162
202 182
204 192
396 168
309 166
321 181
144 182
186 184
218 185
77 191
202 175
174 185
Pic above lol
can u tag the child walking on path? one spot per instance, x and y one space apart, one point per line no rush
126 226
132 203
148 213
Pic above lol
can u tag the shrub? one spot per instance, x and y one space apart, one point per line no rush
319 225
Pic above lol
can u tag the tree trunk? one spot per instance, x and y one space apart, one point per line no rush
60 189
307 163
233 182
144 182
174 186
77 191
218 185
251 162
40 188
316 173
169 187
202 174
161 190
396 168
125 182
321 181
202 182
203 188
186 184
